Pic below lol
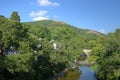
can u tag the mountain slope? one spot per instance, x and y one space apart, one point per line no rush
62 32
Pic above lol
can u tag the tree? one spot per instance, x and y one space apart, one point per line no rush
15 16
14 38
106 56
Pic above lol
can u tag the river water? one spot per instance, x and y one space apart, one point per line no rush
81 73
86 74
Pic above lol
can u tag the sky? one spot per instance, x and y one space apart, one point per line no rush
99 15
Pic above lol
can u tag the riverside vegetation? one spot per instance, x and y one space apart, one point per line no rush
39 50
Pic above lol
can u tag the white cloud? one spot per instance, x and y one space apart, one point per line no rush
102 31
40 18
47 3
40 15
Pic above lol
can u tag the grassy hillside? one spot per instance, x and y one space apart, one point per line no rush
62 32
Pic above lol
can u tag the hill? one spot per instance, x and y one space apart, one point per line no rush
62 32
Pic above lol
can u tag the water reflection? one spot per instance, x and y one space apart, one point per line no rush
82 73
72 75
86 74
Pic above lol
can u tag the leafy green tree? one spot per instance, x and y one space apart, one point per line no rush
106 56
14 39
15 16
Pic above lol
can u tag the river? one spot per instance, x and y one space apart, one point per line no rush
81 73
86 74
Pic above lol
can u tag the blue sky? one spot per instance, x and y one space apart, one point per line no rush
98 15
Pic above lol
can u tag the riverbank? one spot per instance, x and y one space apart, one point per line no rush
72 74
82 61
60 74
81 73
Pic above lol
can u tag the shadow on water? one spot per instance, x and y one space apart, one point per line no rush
81 73
71 75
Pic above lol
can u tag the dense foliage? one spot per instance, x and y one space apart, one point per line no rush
63 33
106 56
38 50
